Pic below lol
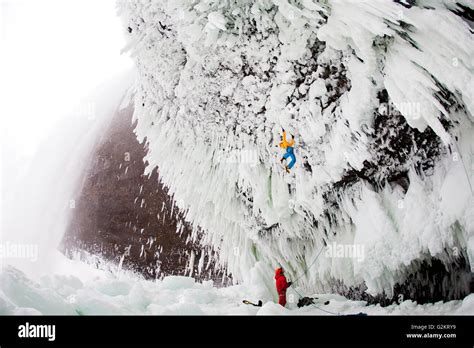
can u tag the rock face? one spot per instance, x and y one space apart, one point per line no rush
128 217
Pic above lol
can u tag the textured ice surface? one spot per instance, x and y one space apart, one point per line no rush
222 78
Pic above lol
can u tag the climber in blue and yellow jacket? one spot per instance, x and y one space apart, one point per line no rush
289 147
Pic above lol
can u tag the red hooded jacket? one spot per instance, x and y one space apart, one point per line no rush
281 283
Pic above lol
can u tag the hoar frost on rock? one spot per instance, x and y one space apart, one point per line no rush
378 95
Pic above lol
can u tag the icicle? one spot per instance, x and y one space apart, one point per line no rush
191 263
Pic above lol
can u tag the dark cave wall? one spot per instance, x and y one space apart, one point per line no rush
121 212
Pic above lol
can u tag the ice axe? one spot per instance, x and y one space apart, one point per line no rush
259 304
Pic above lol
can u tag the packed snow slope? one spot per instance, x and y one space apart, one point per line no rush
84 290
379 97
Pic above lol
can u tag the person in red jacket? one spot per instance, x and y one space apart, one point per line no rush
281 285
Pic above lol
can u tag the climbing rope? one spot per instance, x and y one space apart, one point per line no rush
311 264
464 165
312 304
305 272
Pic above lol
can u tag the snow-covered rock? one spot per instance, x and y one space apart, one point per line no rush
379 98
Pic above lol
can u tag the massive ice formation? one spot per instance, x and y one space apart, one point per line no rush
379 97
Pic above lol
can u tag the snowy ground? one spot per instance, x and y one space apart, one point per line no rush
78 288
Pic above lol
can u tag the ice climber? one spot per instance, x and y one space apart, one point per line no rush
288 145
281 285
